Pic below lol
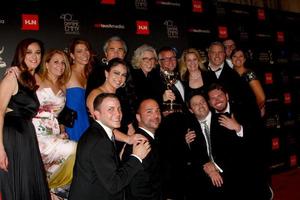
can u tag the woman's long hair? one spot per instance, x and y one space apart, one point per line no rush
43 71
25 78
74 43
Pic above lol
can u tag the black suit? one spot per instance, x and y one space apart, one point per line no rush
227 149
173 151
172 145
237 89
238 156
160 86
199 156
231 80
97 172
146 184
145 85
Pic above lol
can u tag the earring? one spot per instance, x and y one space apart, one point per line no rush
123 85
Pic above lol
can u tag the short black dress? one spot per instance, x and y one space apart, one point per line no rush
25 179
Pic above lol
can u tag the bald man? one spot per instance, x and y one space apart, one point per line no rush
146 184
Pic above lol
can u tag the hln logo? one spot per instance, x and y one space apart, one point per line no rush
30 22
142 28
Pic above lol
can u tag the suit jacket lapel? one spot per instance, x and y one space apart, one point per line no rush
142 132
177 93
102 131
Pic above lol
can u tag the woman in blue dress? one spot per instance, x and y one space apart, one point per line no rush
80 53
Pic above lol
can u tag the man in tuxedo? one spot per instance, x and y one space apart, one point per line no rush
97 172
228 77
229 45
235 142
171 132
205 172
175 92
114 47
146 184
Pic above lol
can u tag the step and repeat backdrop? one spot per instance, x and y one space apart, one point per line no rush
271 37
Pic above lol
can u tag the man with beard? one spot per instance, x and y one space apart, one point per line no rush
237 147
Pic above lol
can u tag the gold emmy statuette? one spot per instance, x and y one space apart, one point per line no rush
171 79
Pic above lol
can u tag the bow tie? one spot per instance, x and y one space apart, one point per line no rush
225 113
215 70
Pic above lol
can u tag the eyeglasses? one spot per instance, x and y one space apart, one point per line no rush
168 59
149 59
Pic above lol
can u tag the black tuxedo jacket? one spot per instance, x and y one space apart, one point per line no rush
160 86
172 147
232 82
237 89
198 147
199 156
97 172
226 145
146 184
233 154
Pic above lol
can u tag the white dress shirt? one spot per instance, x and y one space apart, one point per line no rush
109 133
208 122
218 71
180 88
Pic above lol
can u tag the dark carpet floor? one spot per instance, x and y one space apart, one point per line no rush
286 185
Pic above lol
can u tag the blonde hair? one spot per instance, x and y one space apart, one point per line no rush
43 72
184 73
138 53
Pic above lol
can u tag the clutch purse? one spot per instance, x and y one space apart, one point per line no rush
67 117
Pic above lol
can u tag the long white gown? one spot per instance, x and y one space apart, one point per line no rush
54 150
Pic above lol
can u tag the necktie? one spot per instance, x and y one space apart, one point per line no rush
115 146
207 135
113 140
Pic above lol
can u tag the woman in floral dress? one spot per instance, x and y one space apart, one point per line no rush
54 146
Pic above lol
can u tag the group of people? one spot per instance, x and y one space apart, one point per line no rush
138 134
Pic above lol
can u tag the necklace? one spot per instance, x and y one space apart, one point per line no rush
195 76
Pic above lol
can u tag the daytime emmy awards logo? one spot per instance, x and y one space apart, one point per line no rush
172 29
2 63
141 4
71 26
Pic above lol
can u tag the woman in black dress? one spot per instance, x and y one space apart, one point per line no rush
145 74
248 75
193 73
22 174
